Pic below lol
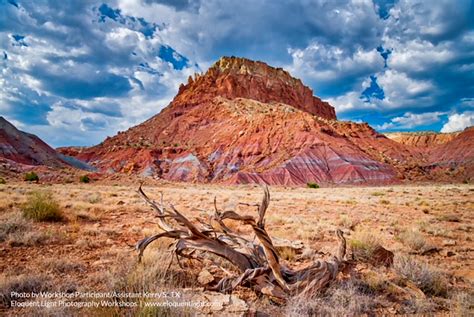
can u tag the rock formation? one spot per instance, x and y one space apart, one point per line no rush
421 139
247 122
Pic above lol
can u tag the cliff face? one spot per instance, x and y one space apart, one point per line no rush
422 139
246 122
232 77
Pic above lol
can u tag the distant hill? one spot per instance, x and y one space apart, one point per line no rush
25 148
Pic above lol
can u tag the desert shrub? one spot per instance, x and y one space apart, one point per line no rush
385 202
31 177
133 278
84 179
27 239
12 224
449 218
94 199
413 239
20 284
428 279
376 194
363 244
419 306
2 181
312 185
41 206
59 265
346 298
462 304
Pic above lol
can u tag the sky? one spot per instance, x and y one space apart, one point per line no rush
75 72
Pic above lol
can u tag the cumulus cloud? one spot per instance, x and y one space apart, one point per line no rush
458 122
77 71
80 71
411 120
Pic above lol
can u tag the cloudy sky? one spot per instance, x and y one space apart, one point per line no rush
74 72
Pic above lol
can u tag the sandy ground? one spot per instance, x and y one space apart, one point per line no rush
103 223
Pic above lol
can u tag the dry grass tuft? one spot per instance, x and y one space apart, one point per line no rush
63 266
363 244
413 239
428 279
347 298
20 284
463 304
11 224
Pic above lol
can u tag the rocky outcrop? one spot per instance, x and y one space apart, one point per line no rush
246 122
422 139
232 77
246 141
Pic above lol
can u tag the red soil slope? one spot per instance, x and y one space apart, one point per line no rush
25 148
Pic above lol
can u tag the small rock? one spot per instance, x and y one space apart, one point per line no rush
205 277
220 305
120 203
449 242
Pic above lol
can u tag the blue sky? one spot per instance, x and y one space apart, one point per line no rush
74 72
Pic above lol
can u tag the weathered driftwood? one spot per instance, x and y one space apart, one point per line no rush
256 264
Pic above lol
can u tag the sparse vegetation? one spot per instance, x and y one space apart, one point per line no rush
21 284
41 206
94 199
377 194
11 224
31 177
346 298
449 218
312 185
90 251
84 179
413 239
363 243
428 279
2 181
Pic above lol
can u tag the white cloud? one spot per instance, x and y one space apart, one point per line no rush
411 120
329 64
458 122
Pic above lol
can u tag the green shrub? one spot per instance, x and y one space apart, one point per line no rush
2 180
84 179
312 185
31 177
41 206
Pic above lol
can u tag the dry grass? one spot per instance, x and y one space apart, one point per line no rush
463 304
24 283
11 224
413 239
347 298
94 249
430 280
363 243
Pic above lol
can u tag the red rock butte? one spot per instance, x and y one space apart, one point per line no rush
234 77
246 122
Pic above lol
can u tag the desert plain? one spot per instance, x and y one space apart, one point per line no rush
91 248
